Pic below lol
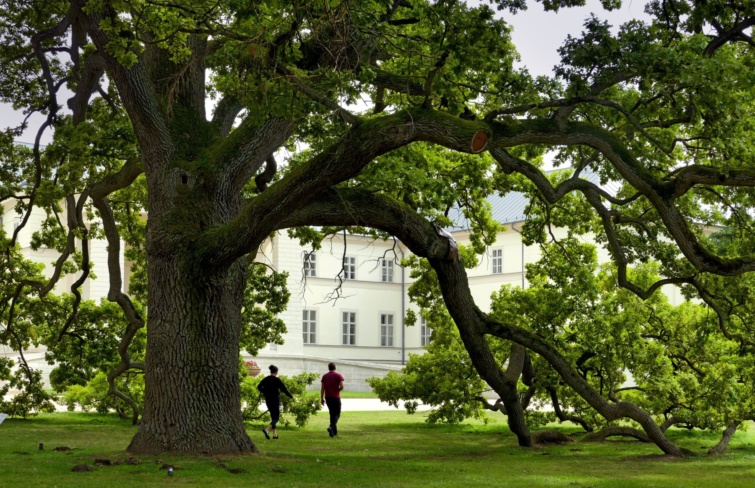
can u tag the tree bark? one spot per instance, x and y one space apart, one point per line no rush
483 359
615 431
192 390
725 439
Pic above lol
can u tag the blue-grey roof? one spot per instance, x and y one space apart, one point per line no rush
511 207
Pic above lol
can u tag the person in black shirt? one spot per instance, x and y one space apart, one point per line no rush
271 387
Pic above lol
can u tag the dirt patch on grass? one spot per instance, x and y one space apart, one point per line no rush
658 458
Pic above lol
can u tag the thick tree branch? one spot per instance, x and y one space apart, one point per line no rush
736 32
350 207
347 208
343 160
564 417
226 111
409 85
361 208
661 194
88 82
136 92
248 147
115 294
122 178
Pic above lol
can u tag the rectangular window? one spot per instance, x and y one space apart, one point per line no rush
387 270
310 265
386 330
497 261
349 268
425 332
309 326
349 328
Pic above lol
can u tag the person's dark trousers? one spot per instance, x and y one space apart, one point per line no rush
334 407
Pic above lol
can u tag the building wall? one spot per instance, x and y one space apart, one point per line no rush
355 373
367 296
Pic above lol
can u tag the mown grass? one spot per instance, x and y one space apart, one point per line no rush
385 449
347 394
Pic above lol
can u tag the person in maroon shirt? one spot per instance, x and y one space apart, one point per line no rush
330 393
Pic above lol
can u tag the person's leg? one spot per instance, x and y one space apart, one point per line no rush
265 430
337 415
334 407
275 414
329 403
330 413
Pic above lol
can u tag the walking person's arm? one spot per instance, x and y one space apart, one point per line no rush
322 393
285 390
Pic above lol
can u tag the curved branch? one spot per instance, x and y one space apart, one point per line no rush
732 34
341 161
264 178
353 207
493 407
560 413
361 208
661 194
116 295
615 431
725 439
669 422
122 178
76 222
318 97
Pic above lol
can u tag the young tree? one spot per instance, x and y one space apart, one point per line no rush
659 107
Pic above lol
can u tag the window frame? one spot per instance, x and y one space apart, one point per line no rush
349 338
497 261
310 265
386 271
309 325
425 332
387 329
350 268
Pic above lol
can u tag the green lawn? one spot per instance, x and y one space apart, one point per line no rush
374 449
348 394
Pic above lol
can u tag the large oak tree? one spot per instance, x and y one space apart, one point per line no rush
665 108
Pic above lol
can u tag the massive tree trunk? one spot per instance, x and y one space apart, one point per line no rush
192 396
